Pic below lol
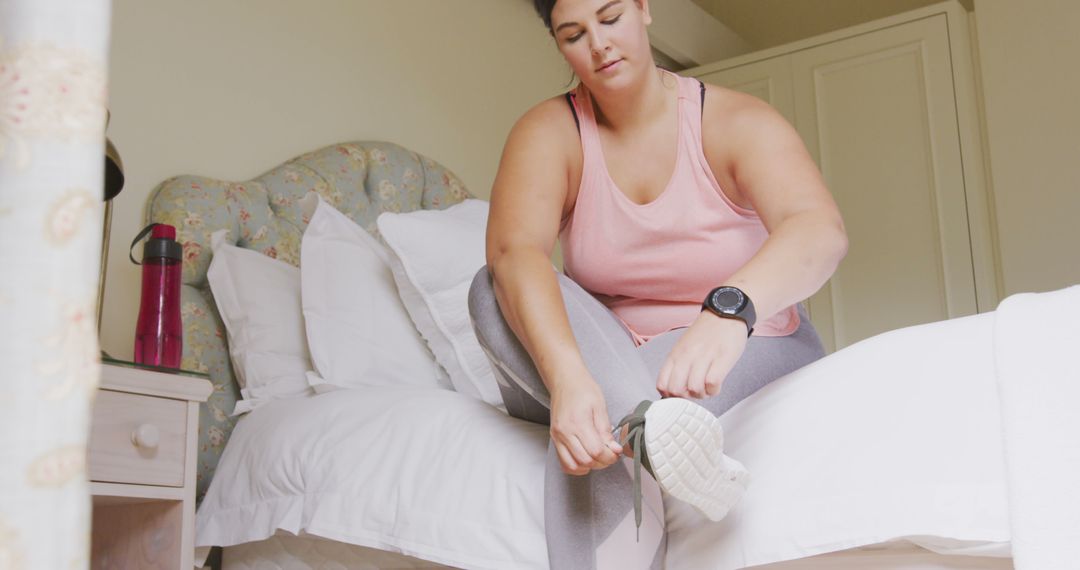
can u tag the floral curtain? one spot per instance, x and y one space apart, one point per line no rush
53 57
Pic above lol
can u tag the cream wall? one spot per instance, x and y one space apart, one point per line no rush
1031 90
231 89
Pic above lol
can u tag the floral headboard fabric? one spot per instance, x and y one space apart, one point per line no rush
360 179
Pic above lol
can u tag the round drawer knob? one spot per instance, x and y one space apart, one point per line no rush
146 436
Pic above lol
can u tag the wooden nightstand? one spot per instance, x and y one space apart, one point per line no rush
141 463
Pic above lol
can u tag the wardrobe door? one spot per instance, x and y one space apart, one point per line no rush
878 113
767 79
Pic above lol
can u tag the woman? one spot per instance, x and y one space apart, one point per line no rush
689 215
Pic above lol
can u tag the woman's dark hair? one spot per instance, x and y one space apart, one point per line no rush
544 8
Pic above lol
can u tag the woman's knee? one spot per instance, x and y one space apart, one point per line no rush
482 303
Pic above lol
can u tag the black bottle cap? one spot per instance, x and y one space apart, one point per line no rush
162 243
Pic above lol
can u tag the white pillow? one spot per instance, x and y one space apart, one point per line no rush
897 437
434 255
259 301
358 331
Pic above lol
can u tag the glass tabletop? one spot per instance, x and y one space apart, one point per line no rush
106 359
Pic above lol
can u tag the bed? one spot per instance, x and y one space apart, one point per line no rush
869 458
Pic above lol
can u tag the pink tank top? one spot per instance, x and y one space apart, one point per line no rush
652 264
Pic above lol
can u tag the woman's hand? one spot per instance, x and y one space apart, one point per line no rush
701 360
580 427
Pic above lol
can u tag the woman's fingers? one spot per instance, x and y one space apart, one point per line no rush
678 379
695 378
566 459
578 451
575 460
664 381
581 430
692 377
585 451
714 378
599 454
590 451
604 457
702 358
603 428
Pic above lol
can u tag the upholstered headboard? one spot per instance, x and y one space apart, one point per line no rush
360 179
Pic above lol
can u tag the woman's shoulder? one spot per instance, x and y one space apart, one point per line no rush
731 107
553 116
547 128
732 119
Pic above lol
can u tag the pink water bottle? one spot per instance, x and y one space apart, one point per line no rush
159 334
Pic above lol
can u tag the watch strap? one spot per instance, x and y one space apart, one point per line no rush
747 314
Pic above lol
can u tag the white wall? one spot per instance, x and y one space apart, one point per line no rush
1031 89
231 89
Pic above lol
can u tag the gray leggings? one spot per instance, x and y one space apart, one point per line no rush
589 520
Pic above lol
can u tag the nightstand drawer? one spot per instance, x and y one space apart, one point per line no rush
137 439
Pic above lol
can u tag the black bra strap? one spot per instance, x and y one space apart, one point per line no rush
573 111
702 98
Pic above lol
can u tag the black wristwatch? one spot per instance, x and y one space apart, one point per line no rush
731 303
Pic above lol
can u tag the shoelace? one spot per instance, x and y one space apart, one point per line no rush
635 434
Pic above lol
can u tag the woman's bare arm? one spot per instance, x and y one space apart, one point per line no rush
762 162
526 207
527 203
772 169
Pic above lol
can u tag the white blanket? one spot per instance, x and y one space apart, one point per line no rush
890 439
895 438
1037 353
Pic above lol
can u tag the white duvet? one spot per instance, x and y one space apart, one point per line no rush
898 437
426 472
1037 357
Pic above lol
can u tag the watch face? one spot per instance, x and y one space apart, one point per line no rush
728 300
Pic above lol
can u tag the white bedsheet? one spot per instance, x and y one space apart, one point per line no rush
1037 349
897 437
286 552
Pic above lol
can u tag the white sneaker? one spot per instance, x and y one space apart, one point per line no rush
684 450
685 445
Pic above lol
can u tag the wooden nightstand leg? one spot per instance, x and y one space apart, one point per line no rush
187 533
